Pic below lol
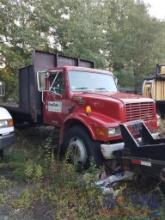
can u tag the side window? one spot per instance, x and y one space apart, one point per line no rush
57 84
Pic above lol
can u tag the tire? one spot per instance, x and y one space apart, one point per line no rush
80 149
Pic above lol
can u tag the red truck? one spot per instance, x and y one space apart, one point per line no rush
83 102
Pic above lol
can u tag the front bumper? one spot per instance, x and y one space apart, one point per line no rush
7 140
107 150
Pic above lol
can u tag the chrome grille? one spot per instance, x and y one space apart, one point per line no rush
143 110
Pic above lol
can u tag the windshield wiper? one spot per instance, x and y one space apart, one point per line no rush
101 89
82 89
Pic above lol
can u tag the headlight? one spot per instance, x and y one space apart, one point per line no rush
114 131
6 123
3 123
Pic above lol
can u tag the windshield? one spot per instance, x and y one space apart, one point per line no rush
91 81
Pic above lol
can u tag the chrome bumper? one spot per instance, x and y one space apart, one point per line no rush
107 150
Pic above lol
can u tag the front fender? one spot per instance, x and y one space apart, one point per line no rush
91 122
82 119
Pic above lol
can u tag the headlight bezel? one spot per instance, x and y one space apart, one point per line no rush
5 123
114 131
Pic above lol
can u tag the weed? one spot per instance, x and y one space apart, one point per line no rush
5 184
53 188
3 199
24 201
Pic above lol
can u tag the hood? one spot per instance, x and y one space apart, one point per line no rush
110 104
4 114
118 96
129 98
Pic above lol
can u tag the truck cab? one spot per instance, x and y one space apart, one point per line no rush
7 137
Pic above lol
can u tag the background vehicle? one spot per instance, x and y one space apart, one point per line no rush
143 155
154 87
83 102
7 137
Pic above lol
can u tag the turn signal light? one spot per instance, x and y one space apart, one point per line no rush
88 109
10 123
100 131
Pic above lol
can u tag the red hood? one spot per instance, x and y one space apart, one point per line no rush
129 98
118 96
111 105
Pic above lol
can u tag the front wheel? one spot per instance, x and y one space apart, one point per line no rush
80 149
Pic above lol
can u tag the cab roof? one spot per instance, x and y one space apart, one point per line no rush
68 68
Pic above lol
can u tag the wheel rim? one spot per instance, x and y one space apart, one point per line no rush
76 152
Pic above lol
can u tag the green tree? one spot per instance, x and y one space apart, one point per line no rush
117 34
133 38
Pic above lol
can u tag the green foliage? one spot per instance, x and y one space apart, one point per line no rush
44 187
115 34
27 170
24 201
4 183
3 198
33 171
123 75
134 38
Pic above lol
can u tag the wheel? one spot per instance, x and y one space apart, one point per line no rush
80 149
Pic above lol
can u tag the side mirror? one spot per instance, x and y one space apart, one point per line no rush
41 82
2 89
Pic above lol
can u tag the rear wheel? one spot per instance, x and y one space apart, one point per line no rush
80 149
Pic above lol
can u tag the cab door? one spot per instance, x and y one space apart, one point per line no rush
55 99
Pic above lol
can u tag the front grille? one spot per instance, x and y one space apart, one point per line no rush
143 110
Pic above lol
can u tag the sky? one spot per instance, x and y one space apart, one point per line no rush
157 8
